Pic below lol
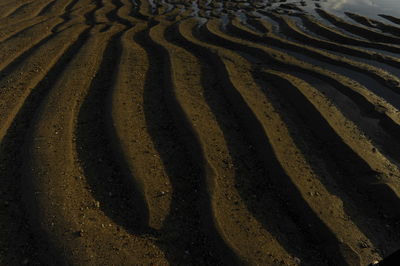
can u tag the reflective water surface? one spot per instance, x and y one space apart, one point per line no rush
370 8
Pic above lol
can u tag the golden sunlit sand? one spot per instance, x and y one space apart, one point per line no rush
197 133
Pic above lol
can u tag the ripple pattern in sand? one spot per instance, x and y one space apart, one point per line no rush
172 132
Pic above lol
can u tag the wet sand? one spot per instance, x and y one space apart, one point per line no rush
197 133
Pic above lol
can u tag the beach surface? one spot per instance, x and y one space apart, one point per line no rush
177 132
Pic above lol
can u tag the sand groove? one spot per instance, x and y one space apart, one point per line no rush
334 34
293 31
171 132
361 31
7 7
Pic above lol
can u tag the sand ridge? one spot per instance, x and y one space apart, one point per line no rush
173 132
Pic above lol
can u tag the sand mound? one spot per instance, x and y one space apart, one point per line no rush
197 133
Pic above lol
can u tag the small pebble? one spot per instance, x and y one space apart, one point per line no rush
364 245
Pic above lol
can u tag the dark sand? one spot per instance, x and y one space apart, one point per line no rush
216 133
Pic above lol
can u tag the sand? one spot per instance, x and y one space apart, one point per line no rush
205 133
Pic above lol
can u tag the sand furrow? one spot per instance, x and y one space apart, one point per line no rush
71 221
76 13
332 34
339 228
26 11
112 12
16 7
384 141
330 128
391 18
13 30
354 88
144 8
116 16
101 15
107 13
263 192
129 12
291 30
47 8
23 77
20 108
15 49
231 145
181 233
196 242
361 31
374 23
99 150
188 115
386 79
363 96
60 8
380 188
204 132
7 8
127 110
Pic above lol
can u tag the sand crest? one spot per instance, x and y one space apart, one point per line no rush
173 132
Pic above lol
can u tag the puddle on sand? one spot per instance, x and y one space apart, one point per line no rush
369 8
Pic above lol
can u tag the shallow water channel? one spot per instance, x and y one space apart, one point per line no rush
369 8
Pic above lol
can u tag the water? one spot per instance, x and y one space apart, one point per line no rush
369 8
